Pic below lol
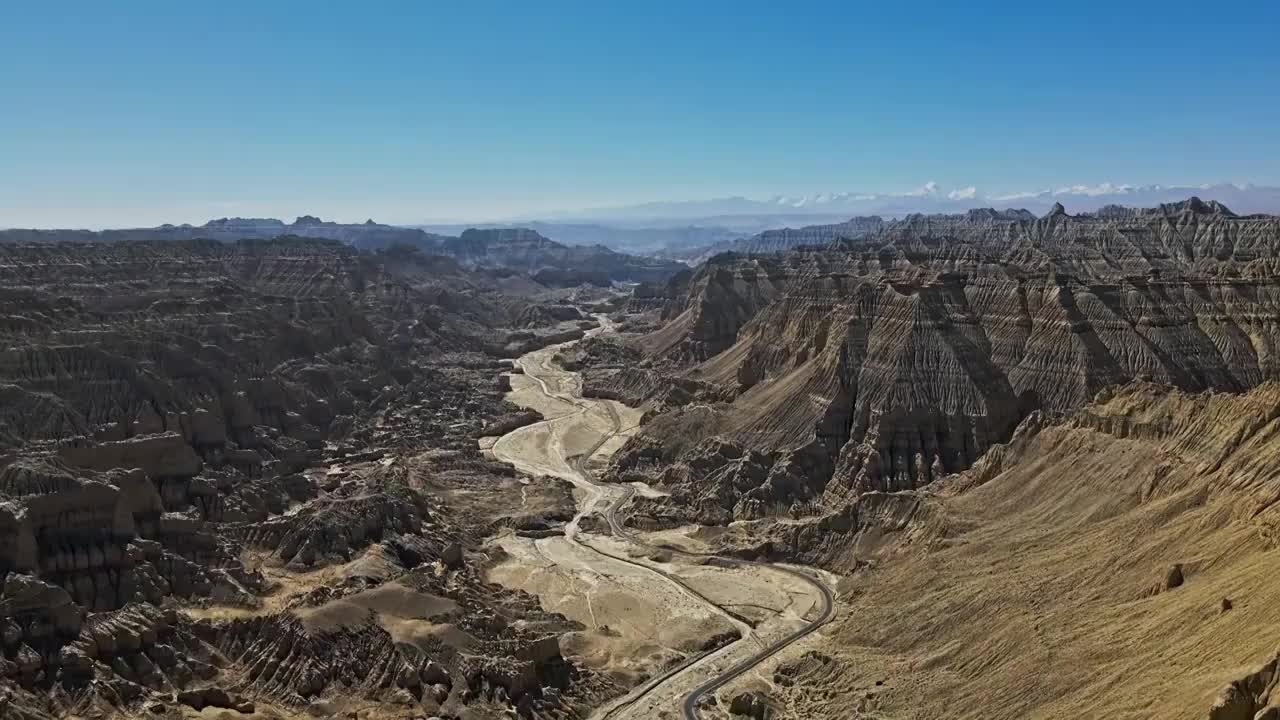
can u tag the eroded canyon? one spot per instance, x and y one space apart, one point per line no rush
988 465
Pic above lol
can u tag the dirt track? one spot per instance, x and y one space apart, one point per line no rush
650 622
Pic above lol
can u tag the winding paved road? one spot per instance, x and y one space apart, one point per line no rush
691 700
623 495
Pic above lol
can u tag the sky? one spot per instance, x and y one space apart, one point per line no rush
137 113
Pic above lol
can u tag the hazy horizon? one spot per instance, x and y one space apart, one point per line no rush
706 211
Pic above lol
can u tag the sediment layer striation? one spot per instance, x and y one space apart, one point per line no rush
884 362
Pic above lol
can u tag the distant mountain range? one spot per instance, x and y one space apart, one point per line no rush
368 234
371 235
550 262
642 240
742 213
693 230
521 250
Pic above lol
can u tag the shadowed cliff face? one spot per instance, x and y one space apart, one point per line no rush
889 360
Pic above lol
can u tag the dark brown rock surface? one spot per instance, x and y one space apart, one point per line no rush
212 455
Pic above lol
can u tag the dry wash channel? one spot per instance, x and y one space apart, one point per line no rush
674 626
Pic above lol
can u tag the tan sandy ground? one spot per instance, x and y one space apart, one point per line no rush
638 621
635 623
289 584
1035 598
757 595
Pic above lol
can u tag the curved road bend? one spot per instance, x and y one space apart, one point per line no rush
691 701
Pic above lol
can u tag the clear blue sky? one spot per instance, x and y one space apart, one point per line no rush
136 113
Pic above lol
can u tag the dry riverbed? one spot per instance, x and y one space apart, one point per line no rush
644 613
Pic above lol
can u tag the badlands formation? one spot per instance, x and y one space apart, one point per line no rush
243 478
988 465
1038 451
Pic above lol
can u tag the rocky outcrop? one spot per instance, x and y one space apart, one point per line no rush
752 705
134 651
74 532
287 660
1250 697
351 516
163 455
511 421
704 311
617 371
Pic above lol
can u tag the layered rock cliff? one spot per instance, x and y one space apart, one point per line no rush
784 239
885 362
